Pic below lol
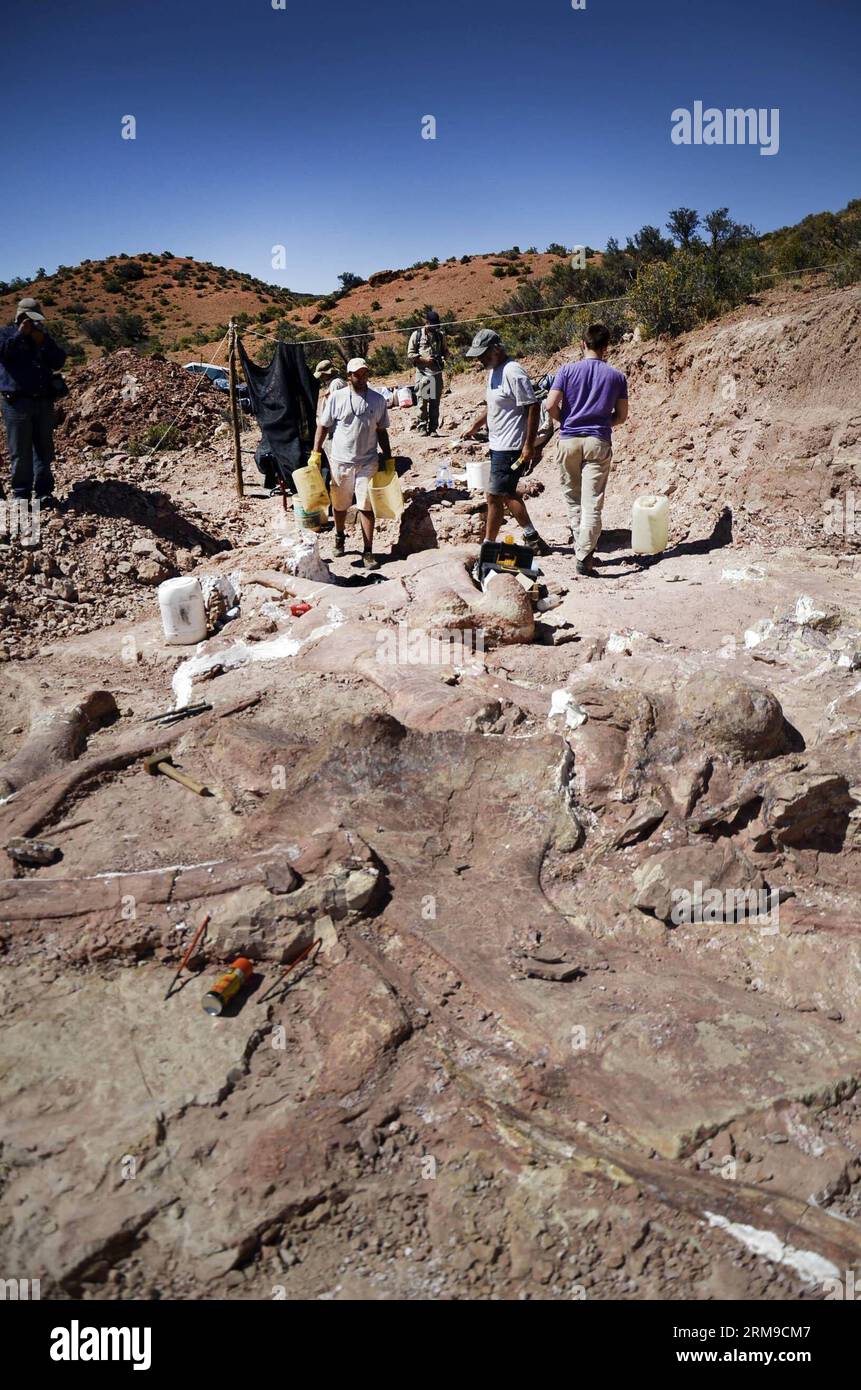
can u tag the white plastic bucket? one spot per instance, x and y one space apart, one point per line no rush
183 612
650 525
478 475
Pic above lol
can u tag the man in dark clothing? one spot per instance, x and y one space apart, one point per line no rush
29 357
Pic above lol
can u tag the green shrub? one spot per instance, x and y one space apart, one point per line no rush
847 271
129 270
158 436
691 287
349 281
121 330
385 361
673 296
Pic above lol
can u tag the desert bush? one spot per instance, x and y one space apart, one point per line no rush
349 281
386 360
109 332
129 270
158 436
62 334
674 296
847 271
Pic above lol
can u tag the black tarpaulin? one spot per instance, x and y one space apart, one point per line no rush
285 404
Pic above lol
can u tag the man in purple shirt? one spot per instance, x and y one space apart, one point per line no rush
587 398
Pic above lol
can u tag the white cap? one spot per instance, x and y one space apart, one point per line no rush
356 364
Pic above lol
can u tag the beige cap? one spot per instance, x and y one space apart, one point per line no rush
356 364
31 309
324 368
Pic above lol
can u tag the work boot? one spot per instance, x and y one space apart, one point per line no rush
370 561
340 542
586 567
536 544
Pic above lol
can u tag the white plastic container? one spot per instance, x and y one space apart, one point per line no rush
406 396
183 612
478 475
650 525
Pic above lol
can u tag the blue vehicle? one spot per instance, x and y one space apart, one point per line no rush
220 379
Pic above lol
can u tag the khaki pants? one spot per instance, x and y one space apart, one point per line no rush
429 393
584 465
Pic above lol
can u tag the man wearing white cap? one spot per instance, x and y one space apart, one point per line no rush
29 357
357 419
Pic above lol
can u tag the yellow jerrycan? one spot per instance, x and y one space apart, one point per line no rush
384 491
310 488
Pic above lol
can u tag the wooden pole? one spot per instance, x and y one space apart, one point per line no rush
234 411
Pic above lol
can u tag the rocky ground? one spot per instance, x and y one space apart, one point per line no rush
508 1069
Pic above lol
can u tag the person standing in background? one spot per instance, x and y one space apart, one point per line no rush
427 352
29 357
330 381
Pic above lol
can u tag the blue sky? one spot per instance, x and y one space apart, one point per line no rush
259 127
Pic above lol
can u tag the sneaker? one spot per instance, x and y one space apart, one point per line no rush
340 542
537 545
370 561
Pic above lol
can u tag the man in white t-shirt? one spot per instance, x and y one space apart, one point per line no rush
357 419
511 415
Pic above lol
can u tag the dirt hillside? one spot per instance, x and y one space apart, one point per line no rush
183 303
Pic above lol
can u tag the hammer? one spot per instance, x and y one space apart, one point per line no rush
161 762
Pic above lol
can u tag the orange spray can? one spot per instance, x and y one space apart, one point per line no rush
227 986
